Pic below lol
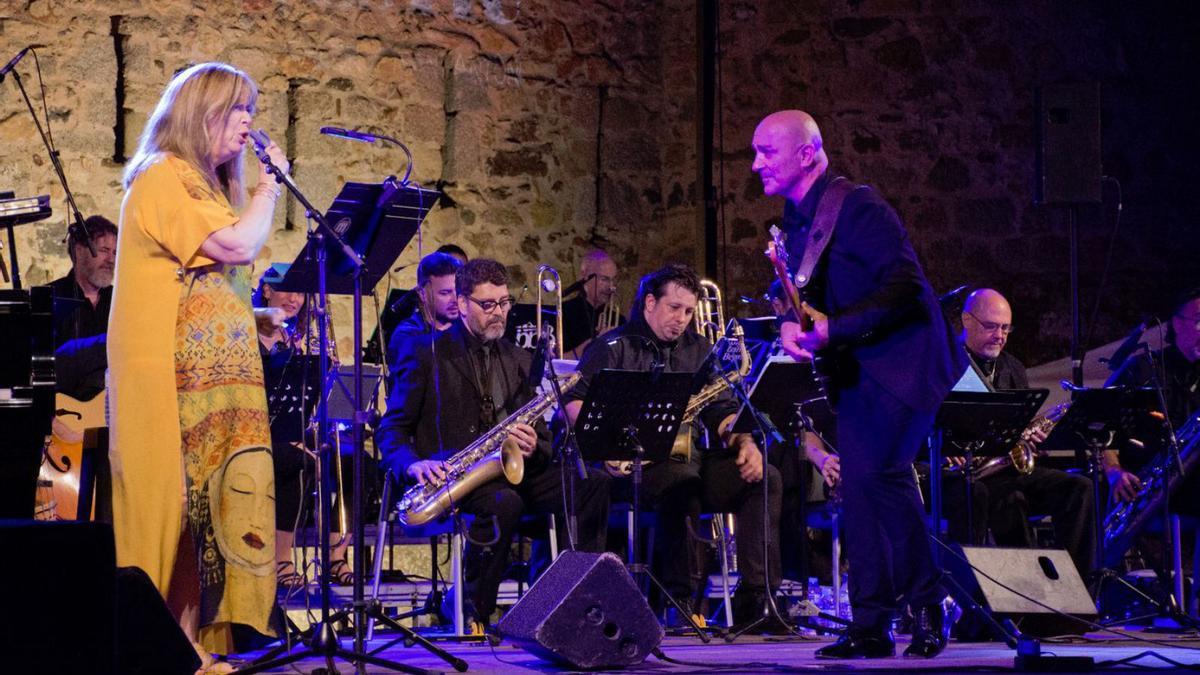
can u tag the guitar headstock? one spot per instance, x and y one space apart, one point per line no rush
776 250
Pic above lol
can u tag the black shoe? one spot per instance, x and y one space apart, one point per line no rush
931 629
860 643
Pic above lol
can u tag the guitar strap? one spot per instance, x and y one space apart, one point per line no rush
828 209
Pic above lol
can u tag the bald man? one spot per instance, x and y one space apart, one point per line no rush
582 314
1012 497
895 358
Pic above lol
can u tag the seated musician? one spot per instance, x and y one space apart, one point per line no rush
1176 367
446 393
292 385
79 333
726 478
437 303
1012 496
592 311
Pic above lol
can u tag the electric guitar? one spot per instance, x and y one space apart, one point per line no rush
822 371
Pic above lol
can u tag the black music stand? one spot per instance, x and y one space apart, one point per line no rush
784 390
1095 418
635 416
351 248
984 424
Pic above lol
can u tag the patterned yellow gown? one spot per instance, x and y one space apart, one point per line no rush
188 415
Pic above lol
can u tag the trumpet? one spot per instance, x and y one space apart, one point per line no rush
549 281
608 318
710 312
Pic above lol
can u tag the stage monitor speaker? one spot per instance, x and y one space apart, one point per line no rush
68 609
60 598
586 612
1068 165
1046 575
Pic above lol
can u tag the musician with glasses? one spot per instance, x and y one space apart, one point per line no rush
449 391
1176 367
591 312
1010 496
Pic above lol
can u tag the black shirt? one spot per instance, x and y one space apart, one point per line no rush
1003 372
85 320
81 355
1181 389
579 321
634 346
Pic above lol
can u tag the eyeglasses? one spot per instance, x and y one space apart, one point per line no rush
489 306
991 326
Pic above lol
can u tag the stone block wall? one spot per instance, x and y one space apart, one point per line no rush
933 103
544 123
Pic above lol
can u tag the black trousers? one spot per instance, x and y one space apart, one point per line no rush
1065 497
887 542
678 491
540 492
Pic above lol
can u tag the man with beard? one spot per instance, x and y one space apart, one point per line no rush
873 312
437 302
728 476
1011 496
1176 369
583 314
83 298
448 391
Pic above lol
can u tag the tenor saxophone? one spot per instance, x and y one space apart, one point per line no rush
488 457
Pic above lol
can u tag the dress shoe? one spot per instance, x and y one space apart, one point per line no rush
931 628
860 643
748 608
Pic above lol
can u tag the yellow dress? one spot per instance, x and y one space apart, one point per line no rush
187 409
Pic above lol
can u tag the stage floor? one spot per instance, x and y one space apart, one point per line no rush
762 654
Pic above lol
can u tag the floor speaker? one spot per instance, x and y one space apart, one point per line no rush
1007 580
585 612
1068 144
68 609
60 597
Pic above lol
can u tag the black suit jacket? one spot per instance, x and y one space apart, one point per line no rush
884 318
409 429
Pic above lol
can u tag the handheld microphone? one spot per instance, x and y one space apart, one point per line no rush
15 60
349 134
578 285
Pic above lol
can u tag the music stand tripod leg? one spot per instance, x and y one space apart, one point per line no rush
638 570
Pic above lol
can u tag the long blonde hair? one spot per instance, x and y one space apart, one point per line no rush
201 95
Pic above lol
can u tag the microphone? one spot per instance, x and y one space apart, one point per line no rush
578 285
1127 347
260 138
15 60
349 134
949 297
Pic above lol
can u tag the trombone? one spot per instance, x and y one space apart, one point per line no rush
710 312
549 282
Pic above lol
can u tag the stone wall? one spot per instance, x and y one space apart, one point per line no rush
933 103
544 123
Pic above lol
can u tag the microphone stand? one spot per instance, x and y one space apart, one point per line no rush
78 229
568 450
324 640
770 434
